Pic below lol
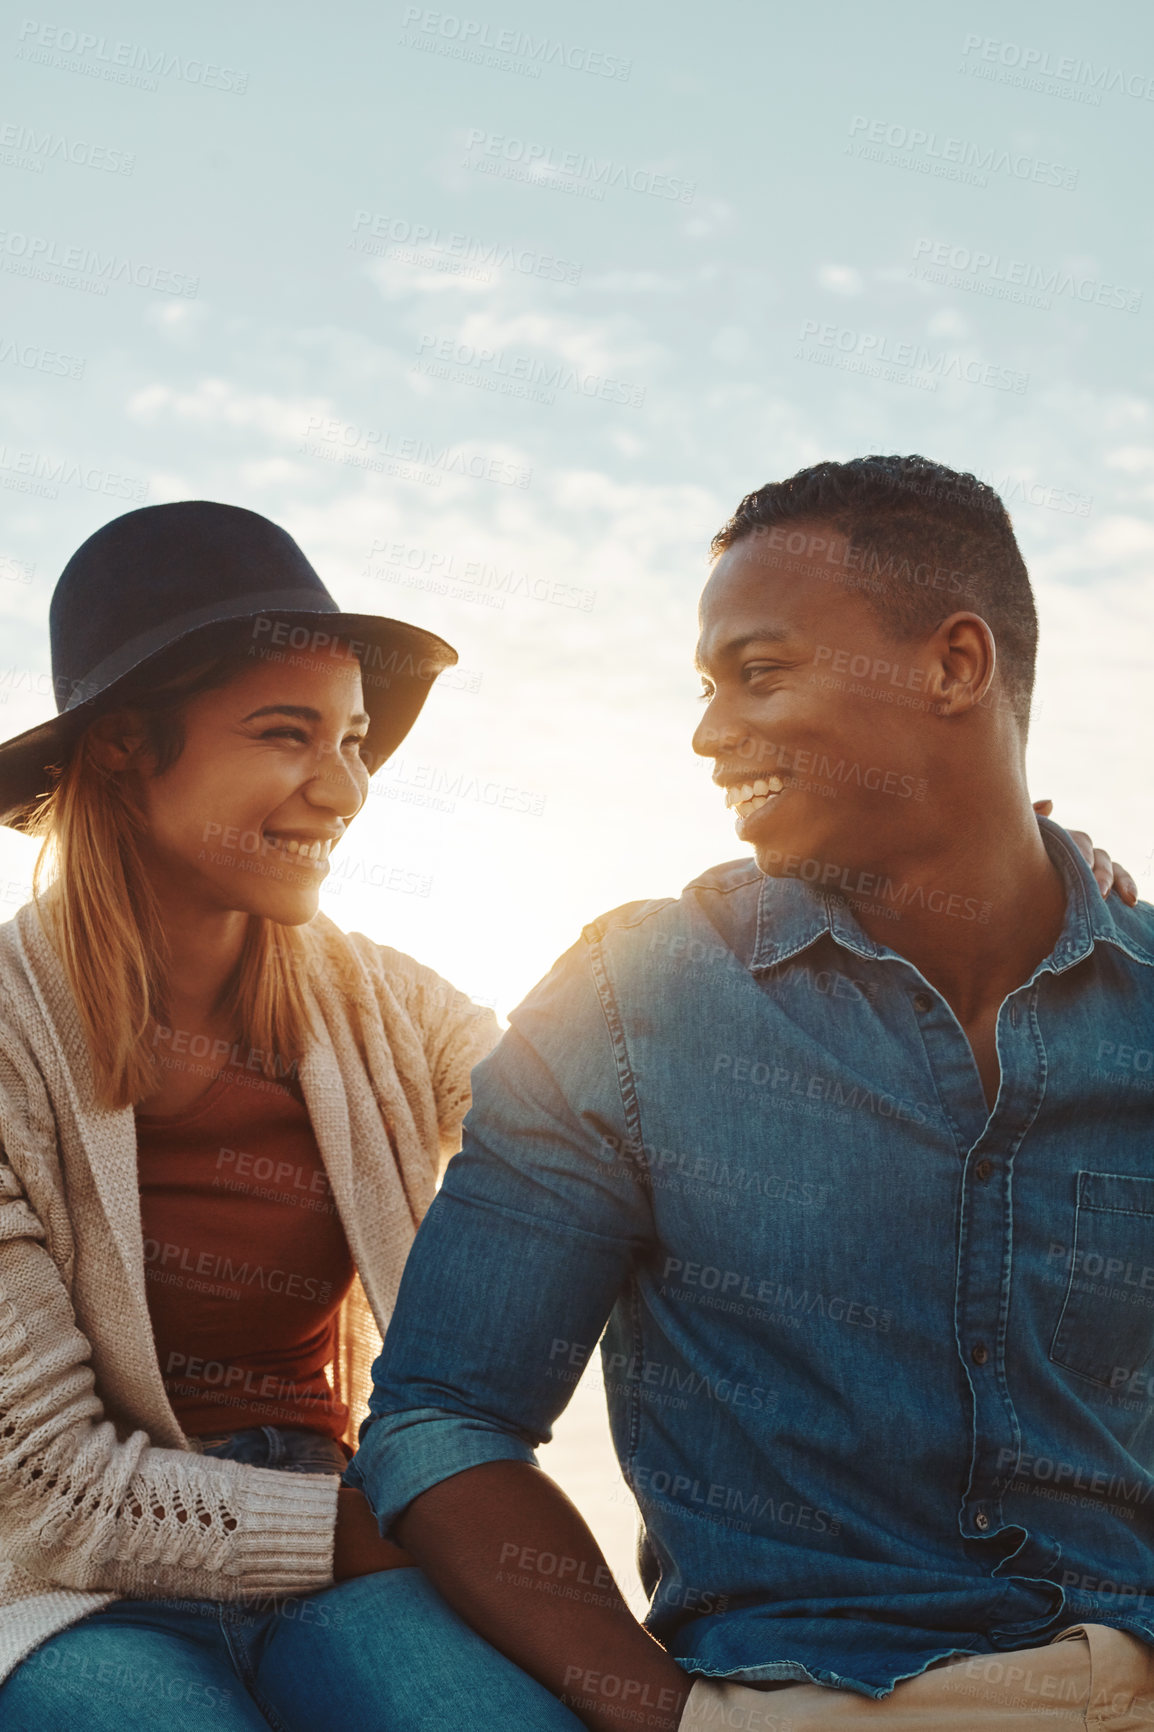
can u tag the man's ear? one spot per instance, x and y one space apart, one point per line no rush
962 662
115 739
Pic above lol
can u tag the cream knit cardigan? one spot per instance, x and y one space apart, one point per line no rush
102 1496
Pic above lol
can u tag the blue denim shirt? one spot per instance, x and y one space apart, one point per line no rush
878 1361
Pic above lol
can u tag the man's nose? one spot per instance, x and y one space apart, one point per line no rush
718 734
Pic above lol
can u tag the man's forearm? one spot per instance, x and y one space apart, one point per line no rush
513 1557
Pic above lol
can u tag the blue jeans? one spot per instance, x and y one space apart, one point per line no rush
380 1653
293 1449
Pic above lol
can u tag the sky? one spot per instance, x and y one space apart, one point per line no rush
501 311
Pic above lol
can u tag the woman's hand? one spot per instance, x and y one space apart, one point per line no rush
1109 874
358 1549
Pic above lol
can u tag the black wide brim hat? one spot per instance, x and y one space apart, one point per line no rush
157 576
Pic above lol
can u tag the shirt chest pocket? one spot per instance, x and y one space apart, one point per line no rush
1106 1327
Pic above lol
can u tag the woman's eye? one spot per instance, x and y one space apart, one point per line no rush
705 695
286 734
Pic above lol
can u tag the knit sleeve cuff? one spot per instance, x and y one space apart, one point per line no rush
287 1526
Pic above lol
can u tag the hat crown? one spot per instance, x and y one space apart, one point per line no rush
155 577
154 573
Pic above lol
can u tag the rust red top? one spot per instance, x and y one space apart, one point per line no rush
246 1261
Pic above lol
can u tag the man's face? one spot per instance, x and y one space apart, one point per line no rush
818 720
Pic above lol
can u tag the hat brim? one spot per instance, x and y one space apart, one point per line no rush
399 663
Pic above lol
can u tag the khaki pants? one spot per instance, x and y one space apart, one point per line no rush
1091 1678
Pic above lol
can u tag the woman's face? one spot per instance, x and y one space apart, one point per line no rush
268 780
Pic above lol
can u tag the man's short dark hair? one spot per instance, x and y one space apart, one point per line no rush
928 542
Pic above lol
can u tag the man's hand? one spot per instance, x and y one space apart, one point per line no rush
1109 874
358 1549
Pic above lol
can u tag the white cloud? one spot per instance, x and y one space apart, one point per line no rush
217 402
176 316
948 322
1131 459
397 279
840 279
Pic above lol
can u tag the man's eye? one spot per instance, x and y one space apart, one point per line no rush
286 734
756 669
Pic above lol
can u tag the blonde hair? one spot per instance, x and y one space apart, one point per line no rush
101 909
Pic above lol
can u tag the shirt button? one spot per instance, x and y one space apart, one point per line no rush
922 1002
982 1520
983 1170
979 1353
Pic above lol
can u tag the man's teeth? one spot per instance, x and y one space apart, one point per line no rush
303 850
751 796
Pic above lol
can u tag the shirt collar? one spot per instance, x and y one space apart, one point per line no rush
1090 917
791 915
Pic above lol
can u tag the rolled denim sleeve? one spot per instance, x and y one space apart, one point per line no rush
521 1256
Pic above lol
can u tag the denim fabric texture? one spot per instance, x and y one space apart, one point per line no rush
381 1653
878 1360
293 1448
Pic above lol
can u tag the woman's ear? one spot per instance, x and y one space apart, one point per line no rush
115 738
